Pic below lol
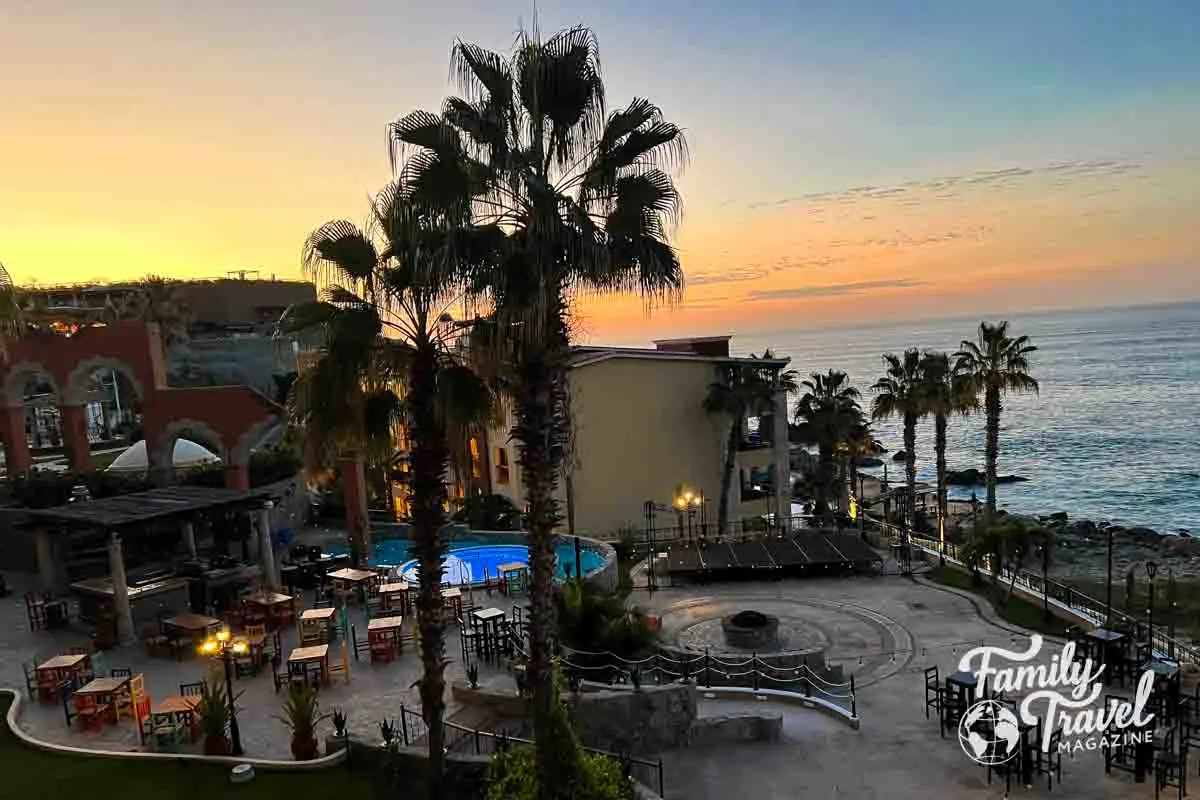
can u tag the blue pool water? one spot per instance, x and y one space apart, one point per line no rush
472 557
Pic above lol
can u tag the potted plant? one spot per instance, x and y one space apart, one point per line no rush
212 711
339 740
387 732
473 675
302 714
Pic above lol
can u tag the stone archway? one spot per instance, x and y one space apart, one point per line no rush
161 450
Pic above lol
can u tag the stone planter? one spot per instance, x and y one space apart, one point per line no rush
335 743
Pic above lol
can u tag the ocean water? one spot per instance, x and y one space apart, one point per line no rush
1112 435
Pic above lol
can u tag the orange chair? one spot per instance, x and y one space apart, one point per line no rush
89 711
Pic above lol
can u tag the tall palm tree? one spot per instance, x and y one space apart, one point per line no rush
382 319
898 394
994 365
943 392
586 200
827 415
743 389
860 441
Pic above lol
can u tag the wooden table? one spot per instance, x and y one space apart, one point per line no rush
192 623
102 686
349 575
316 624
278 608
512 573
453 597
176 704
489 619
176 711
51 674
316 654
383 634
389 591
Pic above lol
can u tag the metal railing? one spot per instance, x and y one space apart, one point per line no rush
751 672
459 738
1059 596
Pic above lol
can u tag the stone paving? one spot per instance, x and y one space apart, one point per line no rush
373 692
884 630
897 627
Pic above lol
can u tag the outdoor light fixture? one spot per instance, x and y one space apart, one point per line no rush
226 648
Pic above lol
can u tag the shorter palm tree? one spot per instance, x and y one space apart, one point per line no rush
943 392
828 415
898 394
994 365
743 389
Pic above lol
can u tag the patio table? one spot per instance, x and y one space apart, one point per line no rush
316 625
58 669
317 654
489 619
390 592
453 597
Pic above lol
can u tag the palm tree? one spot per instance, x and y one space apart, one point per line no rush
828 416
156 300
382 323
898 394
585 199
994 365
943 392
860 442
743 389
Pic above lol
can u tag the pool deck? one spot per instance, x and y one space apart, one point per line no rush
373 692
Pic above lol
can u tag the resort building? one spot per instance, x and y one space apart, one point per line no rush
644 450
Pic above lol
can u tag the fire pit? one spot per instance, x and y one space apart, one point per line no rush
751 630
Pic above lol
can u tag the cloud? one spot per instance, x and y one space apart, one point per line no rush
831 290
731 275
948 187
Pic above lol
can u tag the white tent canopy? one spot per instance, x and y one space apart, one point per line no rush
187 454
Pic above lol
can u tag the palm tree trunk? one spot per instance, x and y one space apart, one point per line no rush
910 465
731 445
540 431
429 460
992 449
824 484
939 444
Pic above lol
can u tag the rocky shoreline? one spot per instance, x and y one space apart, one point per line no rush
1080 548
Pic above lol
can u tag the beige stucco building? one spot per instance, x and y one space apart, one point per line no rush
641 435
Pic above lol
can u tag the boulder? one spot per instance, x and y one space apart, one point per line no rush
1058 516
1142 533
899 456
868 461
1011 479
964 477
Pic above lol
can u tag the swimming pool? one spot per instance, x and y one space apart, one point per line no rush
472 557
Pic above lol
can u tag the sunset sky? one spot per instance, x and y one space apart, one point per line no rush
850 159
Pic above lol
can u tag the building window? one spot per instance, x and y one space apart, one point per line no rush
475 460
502 465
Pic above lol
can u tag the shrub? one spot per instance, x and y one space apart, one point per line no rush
512 775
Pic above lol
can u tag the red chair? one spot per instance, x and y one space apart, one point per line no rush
89 711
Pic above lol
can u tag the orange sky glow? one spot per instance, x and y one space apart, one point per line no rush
167 147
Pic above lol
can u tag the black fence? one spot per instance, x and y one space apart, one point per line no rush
1056 595
412 731
784 672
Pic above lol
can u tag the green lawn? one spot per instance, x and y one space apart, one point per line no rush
31 774
1016 610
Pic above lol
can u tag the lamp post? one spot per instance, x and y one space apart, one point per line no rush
974 511
1171 614
680 505
696 503
1151 569
1108 592
1046 577
226 648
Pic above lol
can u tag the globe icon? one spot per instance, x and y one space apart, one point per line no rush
989 732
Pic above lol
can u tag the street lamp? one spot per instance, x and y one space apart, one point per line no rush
1151 570
226 648
694 504
1108 592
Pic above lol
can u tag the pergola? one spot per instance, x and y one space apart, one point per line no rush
113 515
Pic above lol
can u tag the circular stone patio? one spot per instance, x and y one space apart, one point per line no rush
867 642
